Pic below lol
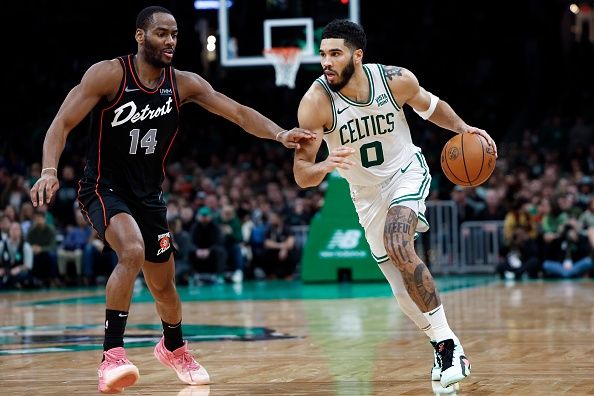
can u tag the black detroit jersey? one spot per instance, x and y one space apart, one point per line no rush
132 135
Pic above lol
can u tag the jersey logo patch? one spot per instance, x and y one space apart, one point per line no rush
341 110
164 243
128 89
381 99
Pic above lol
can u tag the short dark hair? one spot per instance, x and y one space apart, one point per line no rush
145 16
351 32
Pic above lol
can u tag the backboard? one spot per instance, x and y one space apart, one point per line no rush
249 27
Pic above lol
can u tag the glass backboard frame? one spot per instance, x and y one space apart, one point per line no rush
308 56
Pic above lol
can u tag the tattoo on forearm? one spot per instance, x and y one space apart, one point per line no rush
391 71
399 231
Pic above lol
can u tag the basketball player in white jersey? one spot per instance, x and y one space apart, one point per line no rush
357 109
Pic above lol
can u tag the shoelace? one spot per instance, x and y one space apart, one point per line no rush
187 361
118 361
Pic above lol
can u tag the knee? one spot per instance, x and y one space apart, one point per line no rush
402 254
162 289
132 255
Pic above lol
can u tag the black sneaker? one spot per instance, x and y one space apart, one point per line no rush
454 365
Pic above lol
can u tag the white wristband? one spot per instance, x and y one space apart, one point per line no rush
54 169
432 105
278 134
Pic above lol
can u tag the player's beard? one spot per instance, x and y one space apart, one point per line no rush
153 55
345 77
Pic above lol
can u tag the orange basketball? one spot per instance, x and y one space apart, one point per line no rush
467 159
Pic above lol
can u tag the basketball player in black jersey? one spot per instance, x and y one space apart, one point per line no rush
134 102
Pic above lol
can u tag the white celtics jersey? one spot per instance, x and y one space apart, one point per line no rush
376 129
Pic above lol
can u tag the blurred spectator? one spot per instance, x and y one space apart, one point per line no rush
567 204
247 225
62 208
586 223
466 210
258 231
298 213
232 239
173 209
493 208
186 214
98 262
16 259
11 213
182 242
209 256
72 248
26 216
570 256
275 197
590 160
15 193
34 173
4 226
42 237
585 193
279 249
212 202
520 249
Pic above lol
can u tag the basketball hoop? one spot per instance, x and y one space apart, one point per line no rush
286 62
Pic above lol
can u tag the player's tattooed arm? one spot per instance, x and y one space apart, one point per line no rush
391 71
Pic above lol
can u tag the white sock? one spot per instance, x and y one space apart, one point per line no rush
439 324
429 332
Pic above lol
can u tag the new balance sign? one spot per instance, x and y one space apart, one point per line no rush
345 244
336 241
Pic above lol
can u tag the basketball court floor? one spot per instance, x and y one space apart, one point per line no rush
530 338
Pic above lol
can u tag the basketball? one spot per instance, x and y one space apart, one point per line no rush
467 159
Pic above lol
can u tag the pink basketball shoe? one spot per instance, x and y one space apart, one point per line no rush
181 360
116 372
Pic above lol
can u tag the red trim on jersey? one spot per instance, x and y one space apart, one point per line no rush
176 100
83 210
138 83
167 152
174 88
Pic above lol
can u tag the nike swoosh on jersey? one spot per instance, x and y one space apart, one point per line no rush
341 110
131 89
407 166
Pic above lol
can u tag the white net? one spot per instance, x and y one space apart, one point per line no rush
286 62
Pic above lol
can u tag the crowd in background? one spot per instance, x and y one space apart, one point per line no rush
234 215
234 209
543 192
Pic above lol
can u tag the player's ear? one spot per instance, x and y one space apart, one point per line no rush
358 56
139 36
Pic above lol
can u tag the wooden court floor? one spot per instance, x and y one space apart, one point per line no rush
531 338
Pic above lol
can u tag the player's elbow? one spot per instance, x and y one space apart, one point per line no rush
301 179
304 173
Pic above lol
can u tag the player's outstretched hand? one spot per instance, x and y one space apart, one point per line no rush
44 189
291 138
484 134
338 158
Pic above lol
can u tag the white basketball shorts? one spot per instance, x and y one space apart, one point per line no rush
408 187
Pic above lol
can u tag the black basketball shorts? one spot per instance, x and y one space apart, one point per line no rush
101 204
